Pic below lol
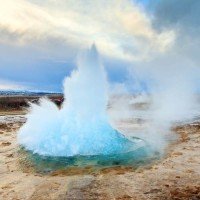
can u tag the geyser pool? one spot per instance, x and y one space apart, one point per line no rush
81 126
86 164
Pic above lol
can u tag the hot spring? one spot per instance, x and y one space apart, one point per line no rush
79 133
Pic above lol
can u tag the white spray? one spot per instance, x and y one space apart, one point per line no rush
81 126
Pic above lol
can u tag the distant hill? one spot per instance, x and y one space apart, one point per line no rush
18 100
26 93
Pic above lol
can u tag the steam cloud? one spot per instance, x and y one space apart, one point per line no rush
171 78
81 127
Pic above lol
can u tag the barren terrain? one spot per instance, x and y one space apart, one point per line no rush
176 176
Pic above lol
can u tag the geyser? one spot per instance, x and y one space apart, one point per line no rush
81 126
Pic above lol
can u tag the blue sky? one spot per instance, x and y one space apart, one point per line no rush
39 40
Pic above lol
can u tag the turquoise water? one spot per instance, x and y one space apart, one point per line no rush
138 154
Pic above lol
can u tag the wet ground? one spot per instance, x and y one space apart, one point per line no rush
176 176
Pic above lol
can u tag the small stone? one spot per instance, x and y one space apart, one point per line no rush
10 155
6 143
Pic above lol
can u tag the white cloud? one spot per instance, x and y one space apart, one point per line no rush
10 85
120 28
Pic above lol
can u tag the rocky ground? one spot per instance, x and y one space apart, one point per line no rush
177 176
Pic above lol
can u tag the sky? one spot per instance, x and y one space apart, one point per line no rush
138 40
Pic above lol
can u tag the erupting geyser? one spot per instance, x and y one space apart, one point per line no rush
81 126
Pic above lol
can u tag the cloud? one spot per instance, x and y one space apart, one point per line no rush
120 28
172 12
184 18
11 85
39 40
